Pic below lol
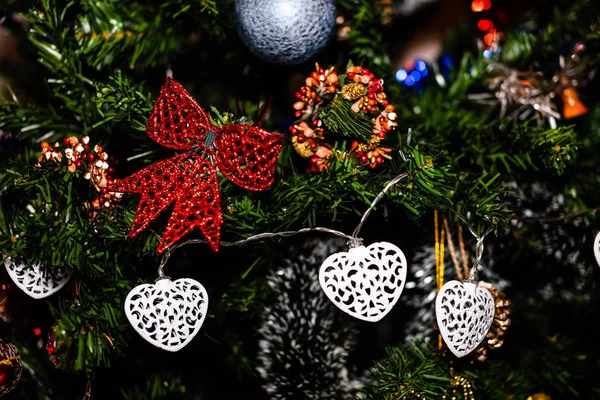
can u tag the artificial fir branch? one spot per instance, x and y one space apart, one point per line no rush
405 369
576 21
90 330
121 100
420 368
60 55
33 122
365 37
157 385
338 117
137 33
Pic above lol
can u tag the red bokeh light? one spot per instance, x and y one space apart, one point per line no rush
477 5
485 25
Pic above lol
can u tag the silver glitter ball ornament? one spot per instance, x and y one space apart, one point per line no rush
285 31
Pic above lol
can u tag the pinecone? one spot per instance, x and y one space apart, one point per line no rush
352 91
11 367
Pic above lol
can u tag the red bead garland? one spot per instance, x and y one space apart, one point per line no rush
246 155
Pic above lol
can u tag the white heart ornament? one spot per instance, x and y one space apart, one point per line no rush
464 313
36 280
597 248
168 313
365 282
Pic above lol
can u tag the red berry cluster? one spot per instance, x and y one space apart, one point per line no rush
93 162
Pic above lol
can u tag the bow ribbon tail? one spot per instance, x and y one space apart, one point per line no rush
197 203
157 185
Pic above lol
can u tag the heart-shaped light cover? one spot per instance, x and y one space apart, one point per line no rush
36 280
597 248
464 313
365 282
168 313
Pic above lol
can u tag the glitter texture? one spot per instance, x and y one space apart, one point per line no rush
244 154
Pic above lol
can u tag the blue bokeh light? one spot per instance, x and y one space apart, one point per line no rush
420 65
401 75
416 76
447 61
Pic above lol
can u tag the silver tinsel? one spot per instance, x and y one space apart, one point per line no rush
304 340
561 247
518 95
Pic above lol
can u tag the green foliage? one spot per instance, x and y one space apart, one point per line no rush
365 37
340 119
90 330
419 368
31 121
122 101
59 53
562 24
158 385
409 369
113 31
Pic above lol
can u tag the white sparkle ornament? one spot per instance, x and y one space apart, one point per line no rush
464 313
36 280
365 282
597 248
168 313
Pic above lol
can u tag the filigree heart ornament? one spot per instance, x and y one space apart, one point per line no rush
36 280
464 313
597 248
168 313
365 282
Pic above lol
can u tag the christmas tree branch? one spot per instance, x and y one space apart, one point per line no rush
138 33
121 100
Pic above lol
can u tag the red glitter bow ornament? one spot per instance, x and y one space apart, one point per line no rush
245 155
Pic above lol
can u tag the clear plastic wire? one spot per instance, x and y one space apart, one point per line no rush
353 240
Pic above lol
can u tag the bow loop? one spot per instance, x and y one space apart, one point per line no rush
177 121
244 154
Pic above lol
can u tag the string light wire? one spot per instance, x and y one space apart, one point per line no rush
353 240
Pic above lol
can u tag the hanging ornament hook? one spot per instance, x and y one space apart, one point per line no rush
478 246
161 266
478 255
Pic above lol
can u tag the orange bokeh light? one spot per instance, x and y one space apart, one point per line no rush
477 5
